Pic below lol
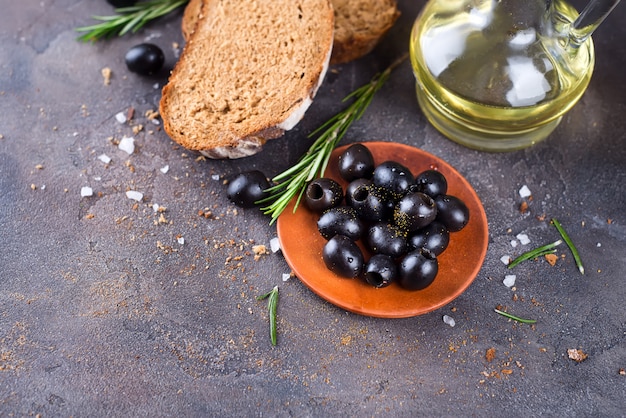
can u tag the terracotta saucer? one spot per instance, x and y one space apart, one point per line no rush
459 264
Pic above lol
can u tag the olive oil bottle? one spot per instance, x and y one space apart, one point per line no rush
499 75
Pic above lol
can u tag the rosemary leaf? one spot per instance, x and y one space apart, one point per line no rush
515 318
570 244
128 19
537 252
271 308
293 181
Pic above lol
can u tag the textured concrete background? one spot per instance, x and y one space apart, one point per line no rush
104 313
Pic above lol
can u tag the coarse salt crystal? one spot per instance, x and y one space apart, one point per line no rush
505 259
134 195
525 192
513 243
523 239
215 177
509 280
449 320
275 245
120 117
86 191
155 207
165 169
104 158
599 244
127 144
286 276
181 240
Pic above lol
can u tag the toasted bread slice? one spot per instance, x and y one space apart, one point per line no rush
359 25
248 72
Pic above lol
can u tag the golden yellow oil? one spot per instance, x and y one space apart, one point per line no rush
492 81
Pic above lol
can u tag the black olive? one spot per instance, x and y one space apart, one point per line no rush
417 270
414 211
122 3
323 193
145 59
452 212
385 238
393 176
352 188
247 188
380 270
342 256
372 203
342 220
431 182
356 162
434 238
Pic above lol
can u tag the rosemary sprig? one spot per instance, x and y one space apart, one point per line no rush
271 307
292 182
537 252
128 19
515 318
570 244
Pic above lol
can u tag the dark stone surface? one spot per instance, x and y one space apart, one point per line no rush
104 313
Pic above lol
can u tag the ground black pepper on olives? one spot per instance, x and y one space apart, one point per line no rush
404 221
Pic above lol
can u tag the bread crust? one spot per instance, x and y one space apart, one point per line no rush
223 115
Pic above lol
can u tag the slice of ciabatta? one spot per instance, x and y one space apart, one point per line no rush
359 25
248 72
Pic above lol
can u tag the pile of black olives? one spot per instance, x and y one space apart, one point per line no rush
403 220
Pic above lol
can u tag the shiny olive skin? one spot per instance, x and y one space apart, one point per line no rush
388 239
452 212
431 182
122 3
417 270
323 193
372 203
414 210
435 238
393 176
145 59
353 187
343 257
380 270
247 188
356 162
341 220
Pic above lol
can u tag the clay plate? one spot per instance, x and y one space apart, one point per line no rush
302 244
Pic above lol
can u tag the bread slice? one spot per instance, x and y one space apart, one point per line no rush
248 72
359 25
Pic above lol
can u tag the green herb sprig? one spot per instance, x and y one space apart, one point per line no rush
515 318
570 244
293 181
128 19
271 308
537 252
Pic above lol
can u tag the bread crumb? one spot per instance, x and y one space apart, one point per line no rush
576 355
551 259
106 75
490 354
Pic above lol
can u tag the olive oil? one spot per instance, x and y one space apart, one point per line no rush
498 75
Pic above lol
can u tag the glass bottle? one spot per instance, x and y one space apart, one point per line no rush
498 75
